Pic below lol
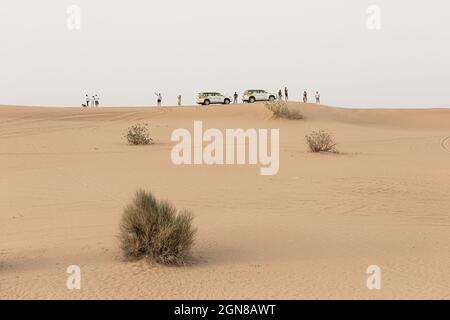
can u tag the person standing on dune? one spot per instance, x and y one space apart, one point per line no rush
87 101
179 100
235 98
96 100
286 94
317 97
280 95
158 99
305 97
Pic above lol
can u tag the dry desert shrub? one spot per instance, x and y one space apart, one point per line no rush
155 230
138 135
281 110
321 141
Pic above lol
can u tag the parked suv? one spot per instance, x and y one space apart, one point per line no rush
257 95
207 98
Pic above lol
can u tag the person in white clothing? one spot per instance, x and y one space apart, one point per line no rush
97 100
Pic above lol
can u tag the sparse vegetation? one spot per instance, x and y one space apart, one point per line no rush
155 230
281 110
138 135
321 141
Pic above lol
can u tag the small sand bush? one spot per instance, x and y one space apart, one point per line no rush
321 141
281 110
138 135
154 229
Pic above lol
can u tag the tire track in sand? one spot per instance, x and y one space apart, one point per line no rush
445 143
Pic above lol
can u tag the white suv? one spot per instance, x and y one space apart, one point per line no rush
257 95
207 98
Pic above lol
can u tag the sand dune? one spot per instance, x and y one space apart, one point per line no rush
309 232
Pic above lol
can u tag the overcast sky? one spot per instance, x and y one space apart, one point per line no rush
127 50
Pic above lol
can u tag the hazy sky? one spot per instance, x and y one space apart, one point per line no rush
127 50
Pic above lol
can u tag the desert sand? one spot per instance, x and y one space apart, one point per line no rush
309 232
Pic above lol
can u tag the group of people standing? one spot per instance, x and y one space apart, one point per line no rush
305 95
286 94
159 99
94 101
